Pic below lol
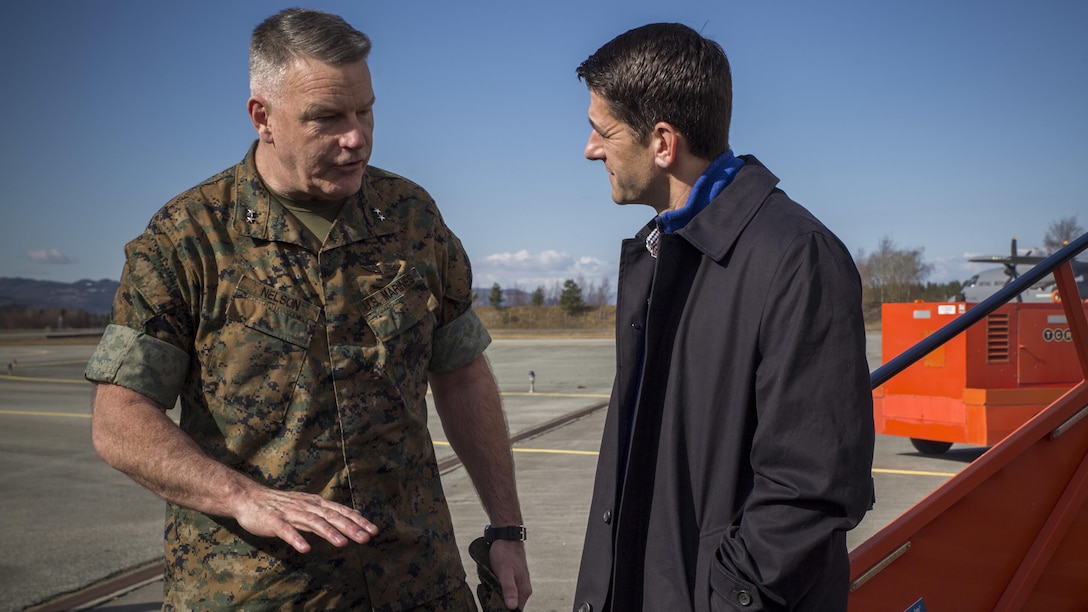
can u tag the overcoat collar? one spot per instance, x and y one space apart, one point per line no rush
714 230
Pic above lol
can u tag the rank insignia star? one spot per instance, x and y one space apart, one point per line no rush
251 215
381 217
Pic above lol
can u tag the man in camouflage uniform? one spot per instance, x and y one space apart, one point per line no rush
299 303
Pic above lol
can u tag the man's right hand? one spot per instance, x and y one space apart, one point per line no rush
133 434
283 514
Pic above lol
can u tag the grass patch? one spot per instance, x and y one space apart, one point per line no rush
548 321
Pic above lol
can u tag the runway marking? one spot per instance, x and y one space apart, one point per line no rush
516 449
51 414
914 473
555 451
534 394
49 364
541 451
81 380
37 379
560 451
549 451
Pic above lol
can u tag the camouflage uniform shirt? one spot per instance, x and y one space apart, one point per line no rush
303 365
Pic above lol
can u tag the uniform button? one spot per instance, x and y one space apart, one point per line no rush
585 607
743 598
607 517
636 326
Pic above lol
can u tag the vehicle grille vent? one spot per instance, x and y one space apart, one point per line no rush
997 338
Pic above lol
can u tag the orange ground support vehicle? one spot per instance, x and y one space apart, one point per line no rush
981 385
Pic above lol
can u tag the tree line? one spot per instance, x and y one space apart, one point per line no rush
27 317
888 274
894 274
573 297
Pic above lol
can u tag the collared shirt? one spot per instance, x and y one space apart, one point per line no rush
303 365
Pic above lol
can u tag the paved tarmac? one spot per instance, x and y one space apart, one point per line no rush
70 521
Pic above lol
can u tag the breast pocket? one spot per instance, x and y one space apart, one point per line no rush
402 319
260 354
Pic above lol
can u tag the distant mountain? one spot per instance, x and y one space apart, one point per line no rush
95 297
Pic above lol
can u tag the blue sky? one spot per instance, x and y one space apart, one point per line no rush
948 126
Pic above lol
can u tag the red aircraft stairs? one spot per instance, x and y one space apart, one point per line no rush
1010 531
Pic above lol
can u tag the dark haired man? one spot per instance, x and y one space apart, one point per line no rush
739 438
299 303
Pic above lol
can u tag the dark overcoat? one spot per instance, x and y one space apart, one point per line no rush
738 444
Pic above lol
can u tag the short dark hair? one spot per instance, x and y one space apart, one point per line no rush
666 72
295 33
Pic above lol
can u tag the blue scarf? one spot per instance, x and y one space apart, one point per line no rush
715 178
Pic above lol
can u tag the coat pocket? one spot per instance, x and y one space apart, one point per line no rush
728 592
255 365
401 315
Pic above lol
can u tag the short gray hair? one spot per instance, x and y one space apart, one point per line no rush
296 33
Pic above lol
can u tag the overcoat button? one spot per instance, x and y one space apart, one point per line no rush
607 517
744 599
585 607
636 326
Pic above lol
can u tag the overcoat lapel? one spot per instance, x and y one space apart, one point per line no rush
677 267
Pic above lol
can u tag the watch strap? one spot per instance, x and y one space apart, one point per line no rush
512 532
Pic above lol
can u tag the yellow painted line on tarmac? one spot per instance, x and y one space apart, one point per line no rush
560 451
50 380
504 393
520 450
543 451
913 473
49 414
555 451
549 451
527 394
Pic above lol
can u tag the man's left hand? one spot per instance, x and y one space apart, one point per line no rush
508 563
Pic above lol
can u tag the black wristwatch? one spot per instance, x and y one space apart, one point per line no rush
513 532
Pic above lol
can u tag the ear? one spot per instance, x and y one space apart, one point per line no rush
258 115
667 142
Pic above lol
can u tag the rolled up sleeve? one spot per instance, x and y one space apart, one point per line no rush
139 362
459 343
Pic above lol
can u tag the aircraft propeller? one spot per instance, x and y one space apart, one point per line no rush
1010 262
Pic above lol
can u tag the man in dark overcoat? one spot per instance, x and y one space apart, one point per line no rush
738 446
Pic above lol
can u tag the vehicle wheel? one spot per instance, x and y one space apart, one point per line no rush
930 447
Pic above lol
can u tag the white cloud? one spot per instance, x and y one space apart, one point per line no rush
49 256
546 268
